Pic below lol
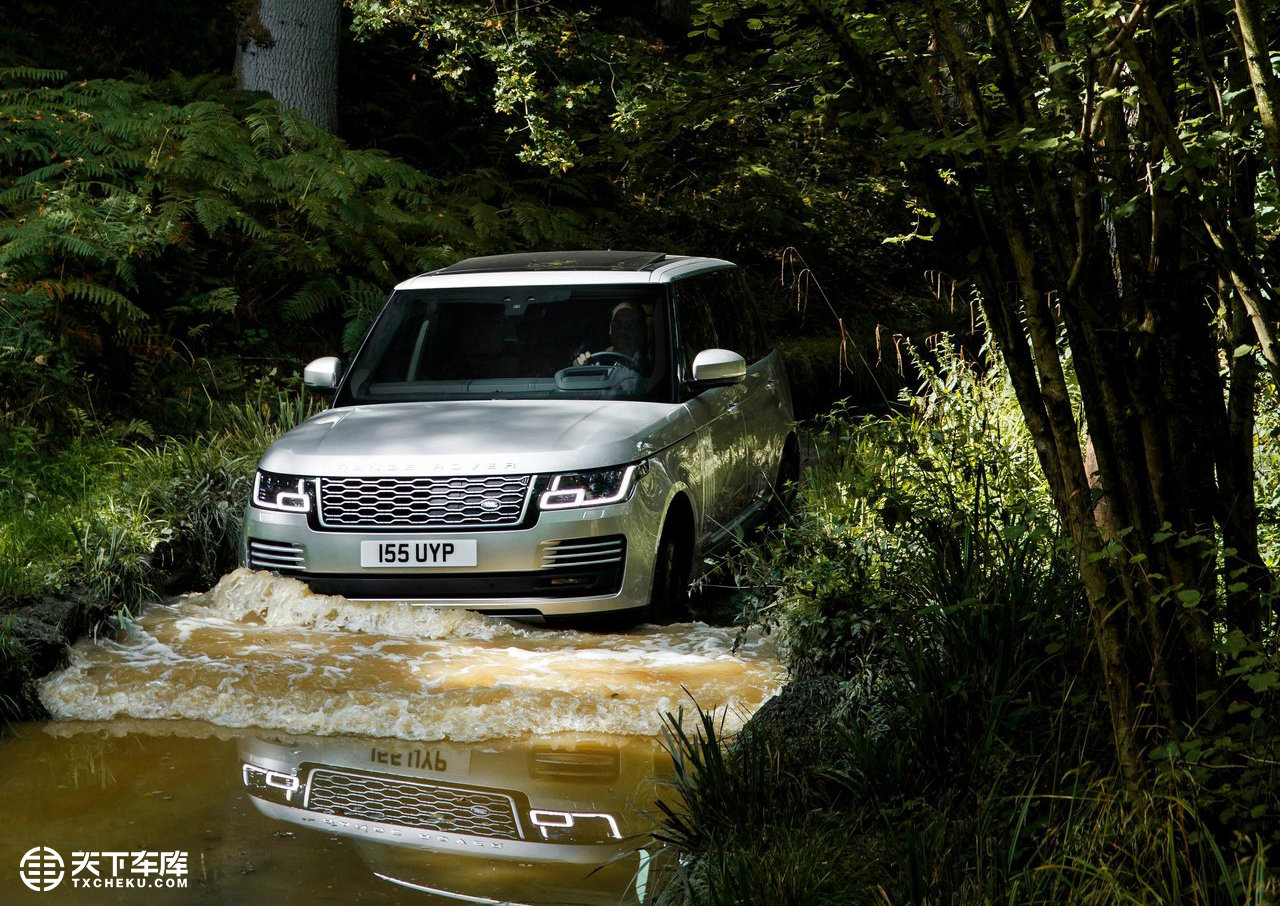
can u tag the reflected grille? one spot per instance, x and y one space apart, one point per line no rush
603 764
412 803
460 502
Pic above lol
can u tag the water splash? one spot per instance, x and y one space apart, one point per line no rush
262 651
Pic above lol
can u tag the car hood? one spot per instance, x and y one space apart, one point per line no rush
476 437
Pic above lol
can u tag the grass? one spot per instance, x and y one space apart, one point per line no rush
116 519
757 825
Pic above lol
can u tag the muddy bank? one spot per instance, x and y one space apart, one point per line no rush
36 635
35 640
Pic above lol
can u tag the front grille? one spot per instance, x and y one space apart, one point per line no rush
412 803
581 552
275 555
486 501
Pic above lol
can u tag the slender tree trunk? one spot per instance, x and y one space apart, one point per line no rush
1253 37
290 49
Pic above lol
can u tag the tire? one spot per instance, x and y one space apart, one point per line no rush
669 593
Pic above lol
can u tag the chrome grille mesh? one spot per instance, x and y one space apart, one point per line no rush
412 803
459 502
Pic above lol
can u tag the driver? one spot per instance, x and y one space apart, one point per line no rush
628 333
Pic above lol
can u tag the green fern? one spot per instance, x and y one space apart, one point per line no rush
30 75
213 214
312 299
205 216
106 298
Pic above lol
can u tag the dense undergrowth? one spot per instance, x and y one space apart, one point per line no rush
116 523
169 242
945 739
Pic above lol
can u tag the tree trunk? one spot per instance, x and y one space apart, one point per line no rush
290 49
1093 222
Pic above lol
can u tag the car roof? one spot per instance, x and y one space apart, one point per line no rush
569 267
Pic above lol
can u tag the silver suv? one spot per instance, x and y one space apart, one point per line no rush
545 434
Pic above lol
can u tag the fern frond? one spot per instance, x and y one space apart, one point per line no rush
45 173
223 300
105 297
485 220
249 225
30 75
71 244
264 132
313 298
213 214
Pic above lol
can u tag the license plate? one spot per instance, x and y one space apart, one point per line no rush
438 758
438 552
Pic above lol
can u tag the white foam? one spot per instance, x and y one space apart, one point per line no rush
264 652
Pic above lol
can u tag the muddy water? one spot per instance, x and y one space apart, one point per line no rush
296 748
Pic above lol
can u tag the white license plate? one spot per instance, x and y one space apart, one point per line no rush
400 552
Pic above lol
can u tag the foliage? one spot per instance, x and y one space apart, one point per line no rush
163 239
938 507
120 524
966 758
693 151
760 832
1101 174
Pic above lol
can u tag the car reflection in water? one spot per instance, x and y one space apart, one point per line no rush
561 819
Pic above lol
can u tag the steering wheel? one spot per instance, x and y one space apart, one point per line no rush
609 357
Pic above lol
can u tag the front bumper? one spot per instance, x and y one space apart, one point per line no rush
579 561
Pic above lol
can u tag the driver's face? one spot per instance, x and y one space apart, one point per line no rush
625 330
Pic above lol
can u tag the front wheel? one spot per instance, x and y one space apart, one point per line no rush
669 595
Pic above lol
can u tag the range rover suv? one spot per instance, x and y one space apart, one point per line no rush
546 434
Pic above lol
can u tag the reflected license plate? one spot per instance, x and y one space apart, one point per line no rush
436 757
436 552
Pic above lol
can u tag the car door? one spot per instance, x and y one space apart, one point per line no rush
716 462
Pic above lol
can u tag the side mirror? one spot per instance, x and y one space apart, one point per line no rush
323 374
718 368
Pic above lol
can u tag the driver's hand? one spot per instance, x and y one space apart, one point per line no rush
582 357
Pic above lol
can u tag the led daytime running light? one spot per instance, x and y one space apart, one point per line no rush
557 498
546 819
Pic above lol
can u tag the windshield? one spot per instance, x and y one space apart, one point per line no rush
531 342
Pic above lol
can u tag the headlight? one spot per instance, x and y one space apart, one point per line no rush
575 827
276 786
281 492
594 488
